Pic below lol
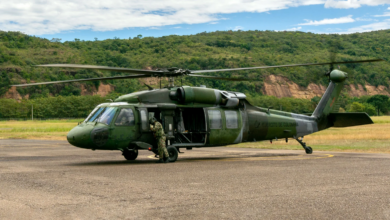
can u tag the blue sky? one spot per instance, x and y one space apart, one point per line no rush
90 19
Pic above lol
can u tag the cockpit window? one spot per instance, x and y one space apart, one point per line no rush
91 117
103 115
107 116
125 118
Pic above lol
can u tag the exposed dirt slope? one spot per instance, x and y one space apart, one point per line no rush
274 86
281 87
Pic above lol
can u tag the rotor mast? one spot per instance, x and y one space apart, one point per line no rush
171 82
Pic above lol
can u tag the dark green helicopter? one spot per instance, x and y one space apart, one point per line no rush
199 116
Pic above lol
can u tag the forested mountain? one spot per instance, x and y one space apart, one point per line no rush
223 49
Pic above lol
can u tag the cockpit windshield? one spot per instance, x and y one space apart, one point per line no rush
102 114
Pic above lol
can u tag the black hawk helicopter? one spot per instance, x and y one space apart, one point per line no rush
198 116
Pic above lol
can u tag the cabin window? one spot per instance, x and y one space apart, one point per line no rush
231 119
144 120
215 119
125 118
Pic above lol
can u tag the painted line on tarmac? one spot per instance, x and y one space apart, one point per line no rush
256 158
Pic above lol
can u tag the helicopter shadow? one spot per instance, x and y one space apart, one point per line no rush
181 160
113 163
143 162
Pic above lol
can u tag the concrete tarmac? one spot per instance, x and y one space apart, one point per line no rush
53 180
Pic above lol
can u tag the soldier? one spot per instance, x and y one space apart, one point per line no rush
160 136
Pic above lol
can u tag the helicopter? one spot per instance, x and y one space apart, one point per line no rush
194 117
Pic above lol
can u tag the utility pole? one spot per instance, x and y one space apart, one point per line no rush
32 112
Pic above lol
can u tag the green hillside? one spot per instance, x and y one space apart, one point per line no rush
223 49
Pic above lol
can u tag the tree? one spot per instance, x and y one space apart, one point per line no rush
362 107
315 100
369 109
381 103
356 107
4 82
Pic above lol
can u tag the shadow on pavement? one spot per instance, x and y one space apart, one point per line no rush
180 160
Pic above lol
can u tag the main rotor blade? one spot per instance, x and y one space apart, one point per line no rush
280 66
83 80
116 69
222 78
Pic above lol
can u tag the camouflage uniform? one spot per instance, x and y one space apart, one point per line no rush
160 136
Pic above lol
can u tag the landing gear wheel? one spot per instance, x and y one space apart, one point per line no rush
130 154
309 150
173 154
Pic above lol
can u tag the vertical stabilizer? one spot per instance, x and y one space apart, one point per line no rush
328 102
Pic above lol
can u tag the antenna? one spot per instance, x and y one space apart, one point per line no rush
149 87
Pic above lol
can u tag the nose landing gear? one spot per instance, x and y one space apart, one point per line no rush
130 154
308 149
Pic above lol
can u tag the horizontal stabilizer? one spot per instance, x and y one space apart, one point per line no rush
349 119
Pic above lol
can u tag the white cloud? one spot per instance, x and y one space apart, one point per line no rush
342 20
354 3
365 19
236 28
386 14
294 29
371 27
38 17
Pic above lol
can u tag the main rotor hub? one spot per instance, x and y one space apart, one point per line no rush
175 71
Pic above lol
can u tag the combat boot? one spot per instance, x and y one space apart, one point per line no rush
166 159
160 161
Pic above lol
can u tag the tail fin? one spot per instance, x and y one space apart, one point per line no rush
328 101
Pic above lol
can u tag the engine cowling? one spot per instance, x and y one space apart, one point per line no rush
187 94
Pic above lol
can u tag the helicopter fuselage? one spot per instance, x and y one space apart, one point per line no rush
191 117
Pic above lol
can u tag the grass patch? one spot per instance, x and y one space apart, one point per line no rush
368 138
42 130
381 119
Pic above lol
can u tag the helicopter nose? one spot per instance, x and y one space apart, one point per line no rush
79 136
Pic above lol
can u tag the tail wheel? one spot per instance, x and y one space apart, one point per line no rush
130 154
309 150
173 154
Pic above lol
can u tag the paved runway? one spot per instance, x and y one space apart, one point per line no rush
53 180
